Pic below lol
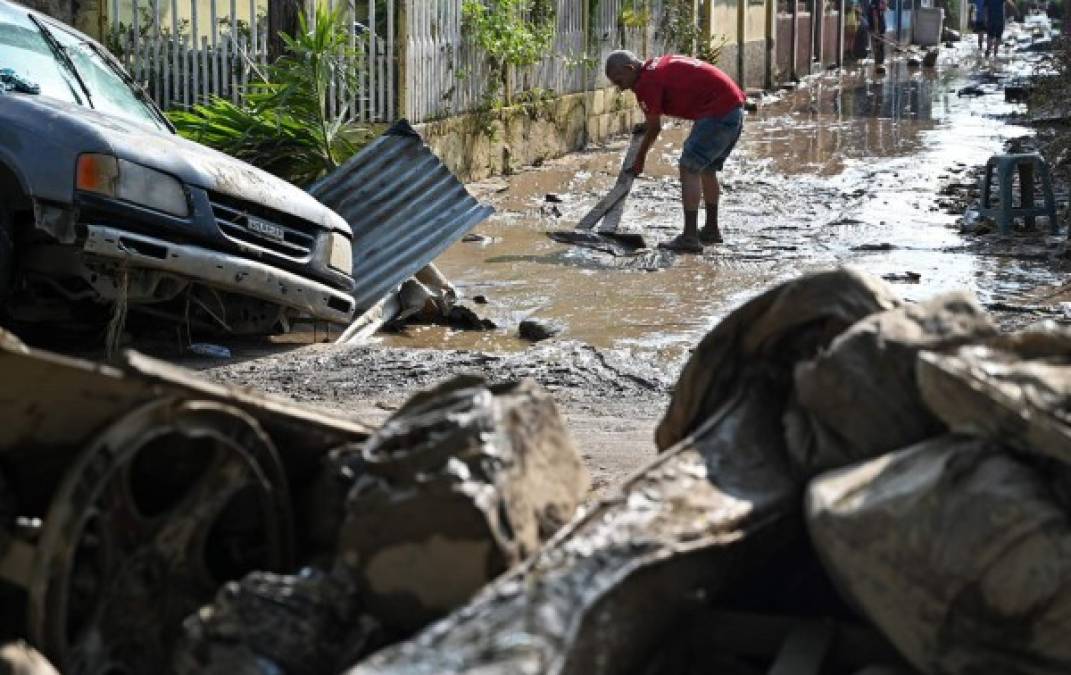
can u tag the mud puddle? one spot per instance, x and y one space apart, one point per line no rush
846 170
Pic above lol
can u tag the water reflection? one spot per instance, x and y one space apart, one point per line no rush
855 116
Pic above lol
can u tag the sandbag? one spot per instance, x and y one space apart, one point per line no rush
463 482
859 398
769 335
1015 389
957 549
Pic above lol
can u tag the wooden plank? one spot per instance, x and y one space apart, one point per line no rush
254 28
184 76
158 79
195 66
174 45
168 52
390 61
206 61
371 64
235 60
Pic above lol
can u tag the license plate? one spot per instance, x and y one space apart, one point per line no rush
264 228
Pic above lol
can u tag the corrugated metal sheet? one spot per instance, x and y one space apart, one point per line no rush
405 208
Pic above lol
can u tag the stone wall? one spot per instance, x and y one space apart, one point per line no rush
478 145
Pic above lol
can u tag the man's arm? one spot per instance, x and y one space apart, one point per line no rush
654 127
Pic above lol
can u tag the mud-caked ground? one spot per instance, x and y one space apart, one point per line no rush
855 167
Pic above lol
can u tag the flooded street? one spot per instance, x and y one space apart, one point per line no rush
848 169
845 165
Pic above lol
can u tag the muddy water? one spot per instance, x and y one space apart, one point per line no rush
845 170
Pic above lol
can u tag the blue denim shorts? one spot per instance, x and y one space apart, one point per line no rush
711 141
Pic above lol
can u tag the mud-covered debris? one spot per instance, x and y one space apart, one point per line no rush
601 598
859 398
903 277
462 482
303 624
884 246
622 244
765 338
535 329
605 593
464 318
210 350
1015 389
19 658
957 549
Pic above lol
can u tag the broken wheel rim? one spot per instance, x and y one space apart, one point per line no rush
164 506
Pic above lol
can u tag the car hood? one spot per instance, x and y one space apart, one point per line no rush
193 163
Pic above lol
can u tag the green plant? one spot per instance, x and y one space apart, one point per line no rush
284 124
682 32
511 33
634 14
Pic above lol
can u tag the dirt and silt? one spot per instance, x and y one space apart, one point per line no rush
852 168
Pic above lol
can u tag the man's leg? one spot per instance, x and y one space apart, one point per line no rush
691 191
712 195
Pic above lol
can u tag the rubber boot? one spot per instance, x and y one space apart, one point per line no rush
710 234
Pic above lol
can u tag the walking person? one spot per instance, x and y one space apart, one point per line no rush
994 22
874 12
978 22
684 87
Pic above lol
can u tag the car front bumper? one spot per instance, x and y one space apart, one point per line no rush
222 270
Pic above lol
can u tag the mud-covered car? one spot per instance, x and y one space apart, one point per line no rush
101 202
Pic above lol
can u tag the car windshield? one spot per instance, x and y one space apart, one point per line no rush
25 49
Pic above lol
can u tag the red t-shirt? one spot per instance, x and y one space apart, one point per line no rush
681 86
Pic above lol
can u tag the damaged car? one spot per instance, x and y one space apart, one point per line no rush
103 205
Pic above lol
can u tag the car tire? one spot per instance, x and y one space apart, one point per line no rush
7 252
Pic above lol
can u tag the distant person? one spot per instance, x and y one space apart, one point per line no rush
978 21
993 11
680 86
874 14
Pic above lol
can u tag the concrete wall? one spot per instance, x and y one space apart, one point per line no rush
478 145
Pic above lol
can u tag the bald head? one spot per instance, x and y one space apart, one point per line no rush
622 68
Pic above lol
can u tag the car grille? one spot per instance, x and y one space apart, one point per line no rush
265 228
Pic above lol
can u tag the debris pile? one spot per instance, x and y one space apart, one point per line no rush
847 482
463 482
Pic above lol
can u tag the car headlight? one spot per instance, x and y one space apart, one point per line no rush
118 178
340 255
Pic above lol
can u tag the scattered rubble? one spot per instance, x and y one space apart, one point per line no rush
536 330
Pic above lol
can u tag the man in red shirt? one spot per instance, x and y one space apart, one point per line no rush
681 86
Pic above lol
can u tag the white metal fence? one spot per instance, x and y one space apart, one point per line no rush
446 74
187 51
184 57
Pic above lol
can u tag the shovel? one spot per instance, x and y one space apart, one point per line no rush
610 207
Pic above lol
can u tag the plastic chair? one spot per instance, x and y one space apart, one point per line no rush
1003 167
